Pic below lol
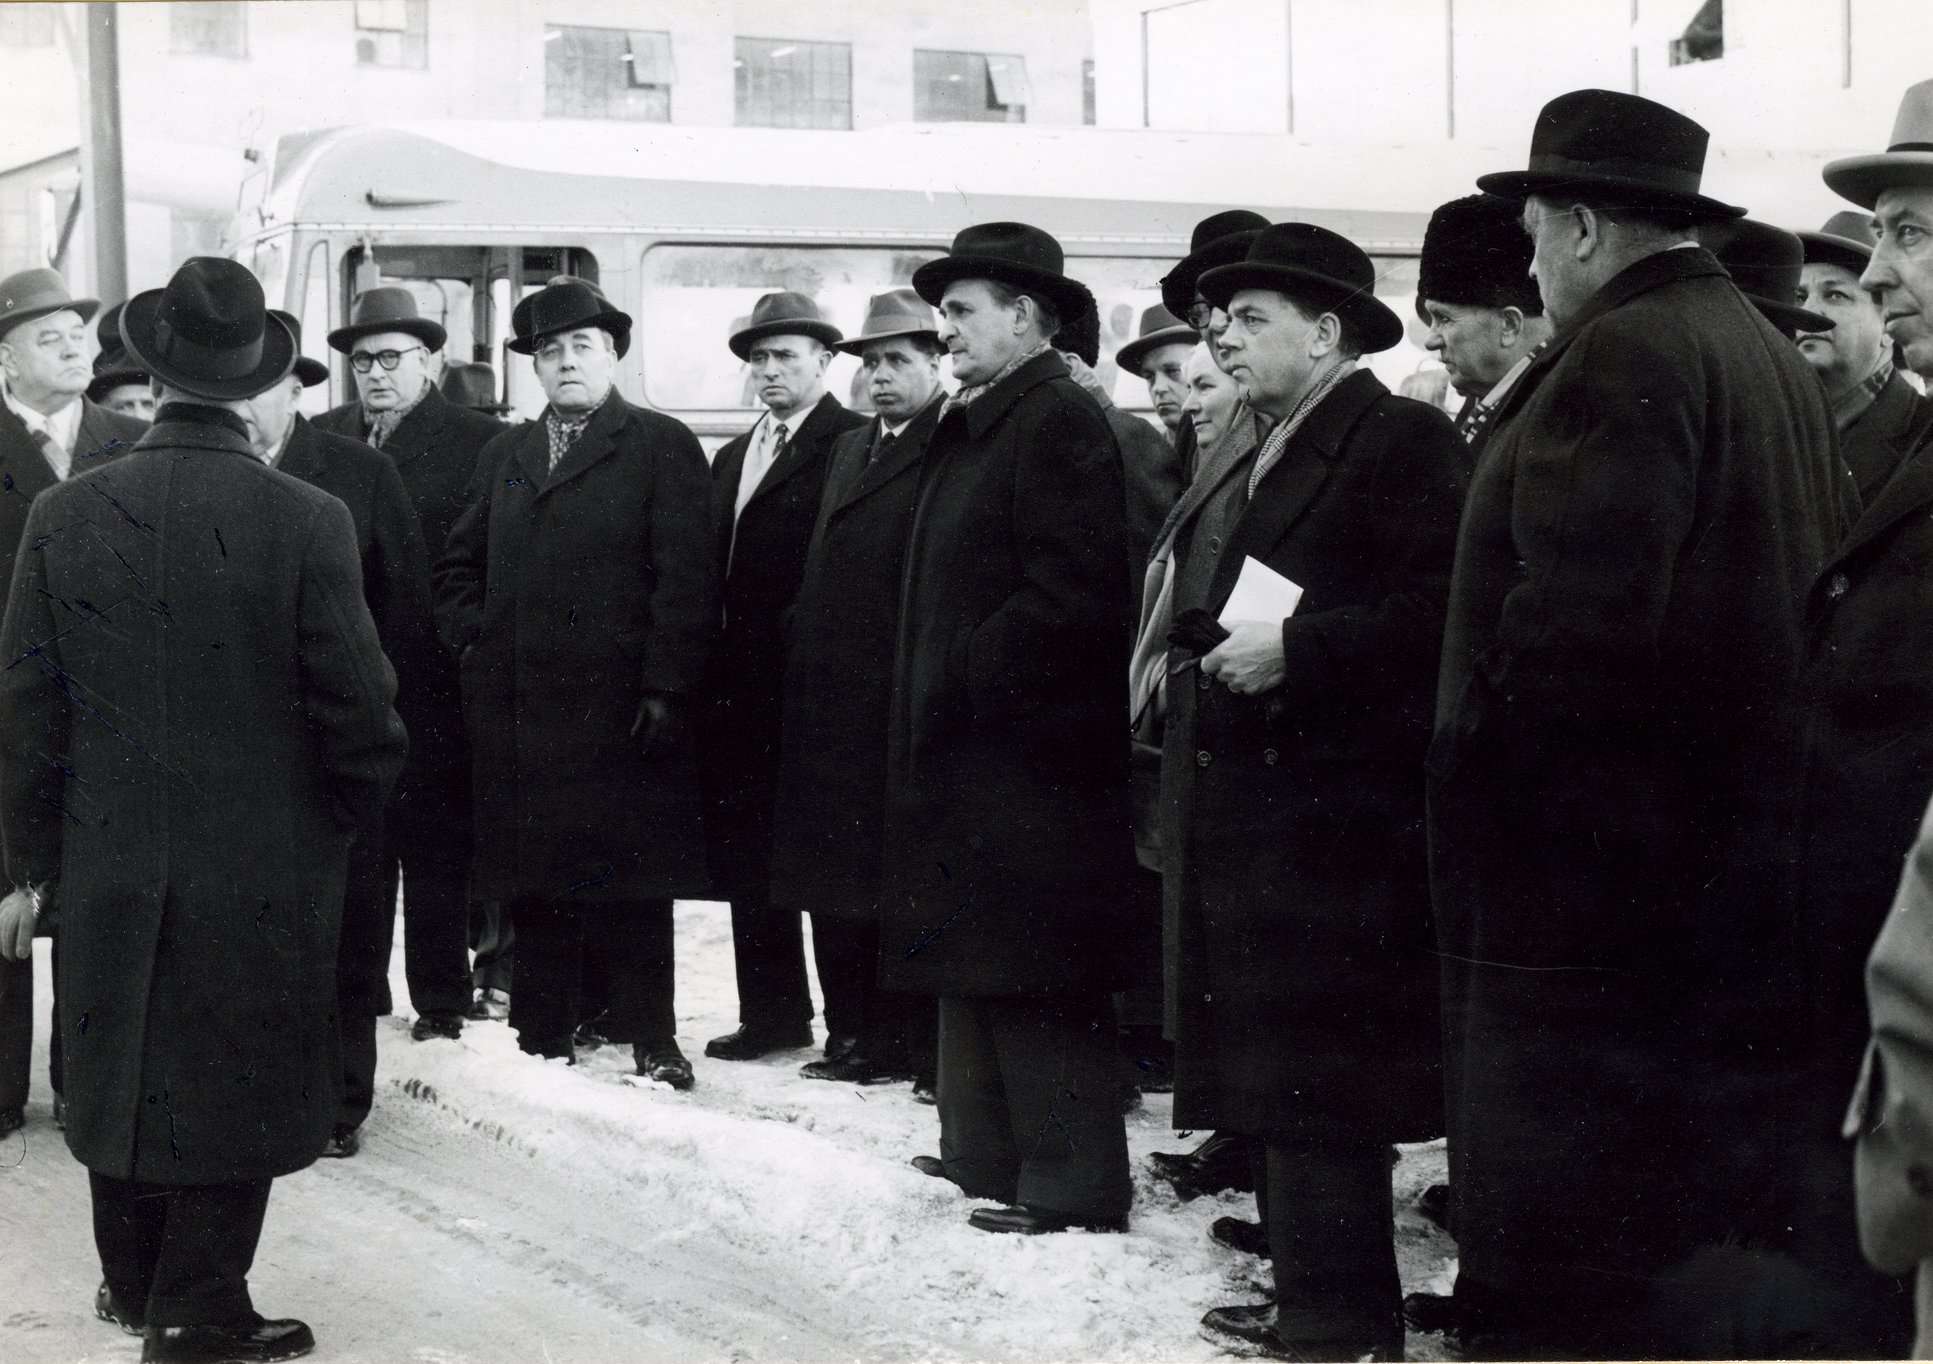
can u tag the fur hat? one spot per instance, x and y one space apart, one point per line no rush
1476 253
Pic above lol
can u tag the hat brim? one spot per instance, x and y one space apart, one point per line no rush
930 281
85 307
1381 329
1130 356
311 372
423 329
1826 248
824 333
616 323
1789 317
278 355
1862 179
108 380
1635 193
853 345
1178 285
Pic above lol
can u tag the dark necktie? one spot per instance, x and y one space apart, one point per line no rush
49 450
881 448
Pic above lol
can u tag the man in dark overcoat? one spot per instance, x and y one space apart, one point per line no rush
182 764
1294 849
1612 766
396 587
433 443
1008 835
830 815
49 429
765 501
579 594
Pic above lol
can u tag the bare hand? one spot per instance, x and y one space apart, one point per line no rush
17 921
1249 662
656 726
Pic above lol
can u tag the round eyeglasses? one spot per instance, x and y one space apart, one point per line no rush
364 360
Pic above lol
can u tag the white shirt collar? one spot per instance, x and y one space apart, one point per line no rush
64 426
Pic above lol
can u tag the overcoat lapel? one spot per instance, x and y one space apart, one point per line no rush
594 443
416 434
800 449
1908 492
870 478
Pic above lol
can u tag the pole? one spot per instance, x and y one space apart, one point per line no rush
103 184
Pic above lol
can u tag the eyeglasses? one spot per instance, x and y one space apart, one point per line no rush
1199 313
363 360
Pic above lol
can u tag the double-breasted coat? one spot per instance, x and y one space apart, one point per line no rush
831 811
1008 833
569 594
1612 779
197 716
760 557
1294 852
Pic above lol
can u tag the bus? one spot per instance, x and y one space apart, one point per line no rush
684 228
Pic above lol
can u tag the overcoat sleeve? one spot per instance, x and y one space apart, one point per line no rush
683 609
34 716
400 599
458 577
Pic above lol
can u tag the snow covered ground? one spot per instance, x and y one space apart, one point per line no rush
509 1209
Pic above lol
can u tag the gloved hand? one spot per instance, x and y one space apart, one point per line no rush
1196 632
657 725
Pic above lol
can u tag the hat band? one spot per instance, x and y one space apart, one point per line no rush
1673 178
1911 147
205 362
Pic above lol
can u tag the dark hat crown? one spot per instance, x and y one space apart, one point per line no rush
785 305
209 332
564 303
1315 251
1612 133
212 303
470 383
1762 260
1225 224
108 330
1477 254
1011 244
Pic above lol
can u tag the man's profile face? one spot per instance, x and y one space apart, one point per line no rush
978 330
1267 348
1553 263
577 368
789 370
900 378
270 414
383 390
45 359
1851 350
1167 384
1901 272
1469 342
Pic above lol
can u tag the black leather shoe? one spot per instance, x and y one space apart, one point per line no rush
1022 1220
926 1090
929 1165
748 1044
854 1069
242 1342
1239 1234
435 1025
1431 1312
490 1006
108 1307
840 1045
343 1143
664 1061
1255 1329
1217 1165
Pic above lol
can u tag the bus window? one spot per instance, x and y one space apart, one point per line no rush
695 296
316 323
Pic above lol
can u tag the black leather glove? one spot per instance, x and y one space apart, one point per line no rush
1196 632
659 721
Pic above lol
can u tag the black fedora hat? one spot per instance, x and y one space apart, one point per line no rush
784 313
1846 239
310 372
1476 254
1219 239
27 294
1015 254
387 308
209 333
563 304
1159 328
1907 160
1639 152
472 384
897 312
1764 262
112 368
1318 266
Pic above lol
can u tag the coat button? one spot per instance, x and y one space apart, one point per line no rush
1269 756
1202 759
1837 588
1207 999
1202 679
1214 544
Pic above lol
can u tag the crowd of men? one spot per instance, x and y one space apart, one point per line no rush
1539 779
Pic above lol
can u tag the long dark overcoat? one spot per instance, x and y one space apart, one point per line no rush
569 594
1008 831
760 562
1612 776
25 473
196 714
831 811
1306 972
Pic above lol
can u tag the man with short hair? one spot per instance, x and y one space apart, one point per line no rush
765 500
1475 294
579 595
48 431
1158 355
1613 768
1007 830
182 767
829 817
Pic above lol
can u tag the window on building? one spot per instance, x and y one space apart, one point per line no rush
969 87
393 33
27 25
608 73
1087 92
782 83
1704 39
208 28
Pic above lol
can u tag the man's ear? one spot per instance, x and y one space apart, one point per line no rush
1510 328
1587 225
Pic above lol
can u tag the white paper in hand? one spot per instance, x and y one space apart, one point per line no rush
1260 594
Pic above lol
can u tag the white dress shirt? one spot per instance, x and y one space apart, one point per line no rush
759 459
64 428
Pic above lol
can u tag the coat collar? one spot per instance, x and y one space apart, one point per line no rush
802 446
190 426
599 438
1908 492
1287 489
417 432
991 406
302 452
906 452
